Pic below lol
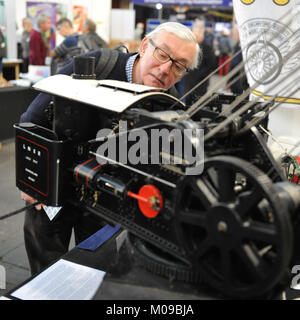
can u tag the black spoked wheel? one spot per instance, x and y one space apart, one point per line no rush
234 228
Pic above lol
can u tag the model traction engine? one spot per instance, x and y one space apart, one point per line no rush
230 226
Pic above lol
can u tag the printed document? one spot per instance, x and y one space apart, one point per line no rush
64 280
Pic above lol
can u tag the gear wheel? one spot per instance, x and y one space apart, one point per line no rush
234 228
162 264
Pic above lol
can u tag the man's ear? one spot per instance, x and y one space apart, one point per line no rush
143 46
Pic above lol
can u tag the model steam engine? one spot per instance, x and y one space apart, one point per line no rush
227 219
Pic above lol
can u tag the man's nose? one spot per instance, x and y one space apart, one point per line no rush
166 67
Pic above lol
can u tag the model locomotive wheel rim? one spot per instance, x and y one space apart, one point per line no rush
238 235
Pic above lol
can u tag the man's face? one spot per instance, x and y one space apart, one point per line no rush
28 26
46 25
151 72
63 30
85 29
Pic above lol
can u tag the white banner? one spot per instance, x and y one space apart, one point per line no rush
269 33
222 3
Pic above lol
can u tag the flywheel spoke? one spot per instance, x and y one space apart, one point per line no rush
226 266
247 200
203 248
253 261
204 191
261 231
192 217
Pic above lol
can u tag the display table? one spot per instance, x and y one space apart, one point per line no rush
13 63
14 101
125 279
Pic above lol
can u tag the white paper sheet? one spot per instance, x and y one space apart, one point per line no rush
64 280
51 211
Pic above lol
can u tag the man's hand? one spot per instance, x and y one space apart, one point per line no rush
31 200
52 54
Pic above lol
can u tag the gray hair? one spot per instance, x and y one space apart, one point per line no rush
90 24
180 31
42 18
27 20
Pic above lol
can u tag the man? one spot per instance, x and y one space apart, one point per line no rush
47 32
207 66
239 80
3 52
225 49
138 31
68 48
165 55
38 48
90 40
27 26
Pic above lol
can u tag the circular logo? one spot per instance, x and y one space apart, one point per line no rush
265 43
264 61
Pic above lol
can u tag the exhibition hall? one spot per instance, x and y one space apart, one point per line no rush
149 153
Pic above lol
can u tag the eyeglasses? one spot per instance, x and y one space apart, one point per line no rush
161 56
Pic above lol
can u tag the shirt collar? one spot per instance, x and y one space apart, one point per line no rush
129 67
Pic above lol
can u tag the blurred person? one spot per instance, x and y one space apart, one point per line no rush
47 32
165 55
90 40
25 38
69 48
206 65
138 32
209 36
240 82
3 53
224 49
37 45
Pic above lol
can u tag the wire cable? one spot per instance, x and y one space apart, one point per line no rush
19 210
